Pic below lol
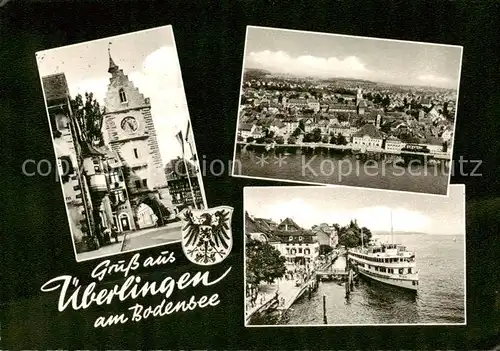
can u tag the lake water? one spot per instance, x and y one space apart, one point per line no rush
345 169
440 297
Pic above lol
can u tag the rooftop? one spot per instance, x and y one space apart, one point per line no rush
370 130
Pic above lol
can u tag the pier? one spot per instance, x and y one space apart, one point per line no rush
280 295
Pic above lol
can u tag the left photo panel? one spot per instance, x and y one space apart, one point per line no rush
122 136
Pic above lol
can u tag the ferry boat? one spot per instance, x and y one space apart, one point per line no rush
387 263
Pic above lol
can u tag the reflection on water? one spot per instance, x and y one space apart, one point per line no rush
439 299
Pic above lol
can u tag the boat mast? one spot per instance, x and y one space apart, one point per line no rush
362 238
392 233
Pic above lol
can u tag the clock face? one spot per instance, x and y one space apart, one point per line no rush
129 124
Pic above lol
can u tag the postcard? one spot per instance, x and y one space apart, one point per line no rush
322 108
123 139
321 256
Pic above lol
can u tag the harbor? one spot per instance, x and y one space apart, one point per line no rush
440 298
347 273
279 297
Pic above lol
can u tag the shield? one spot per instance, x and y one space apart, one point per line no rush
207 238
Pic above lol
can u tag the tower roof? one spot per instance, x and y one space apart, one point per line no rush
112 65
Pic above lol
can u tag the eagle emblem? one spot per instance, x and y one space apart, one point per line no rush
206 234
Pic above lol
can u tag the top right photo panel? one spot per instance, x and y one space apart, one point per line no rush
319 108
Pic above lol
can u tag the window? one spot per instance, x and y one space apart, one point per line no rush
290 238
301 238
145 183
137 184
123 96
136 154
300 250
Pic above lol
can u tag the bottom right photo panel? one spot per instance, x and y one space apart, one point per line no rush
338 256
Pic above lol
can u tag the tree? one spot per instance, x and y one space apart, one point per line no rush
279 140
325 139
325 249
240 138
296 132
405 102
341 140
333 139
250 139
89 117
291 140
263 262
302 126
350 235
386 101
316 135
269 133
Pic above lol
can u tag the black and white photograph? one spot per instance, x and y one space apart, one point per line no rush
319 256
323 108
123 140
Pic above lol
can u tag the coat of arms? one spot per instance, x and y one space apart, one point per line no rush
206 234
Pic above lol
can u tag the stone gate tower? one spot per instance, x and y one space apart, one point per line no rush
130 132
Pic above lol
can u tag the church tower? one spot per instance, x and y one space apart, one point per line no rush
130 129
359 95
130 133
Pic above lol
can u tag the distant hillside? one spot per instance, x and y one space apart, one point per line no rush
348 80
397 232
255 73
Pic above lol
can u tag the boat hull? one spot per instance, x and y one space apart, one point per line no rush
400 283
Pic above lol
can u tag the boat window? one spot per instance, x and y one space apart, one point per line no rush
409 270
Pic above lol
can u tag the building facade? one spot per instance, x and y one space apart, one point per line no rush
69 157
181 188
299 247
130 132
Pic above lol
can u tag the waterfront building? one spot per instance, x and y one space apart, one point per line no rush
368 137
278 127
299 246
393 144
260 229
325 234
291 124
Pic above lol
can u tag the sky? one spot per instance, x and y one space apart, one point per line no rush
149 58
328 56
308 206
